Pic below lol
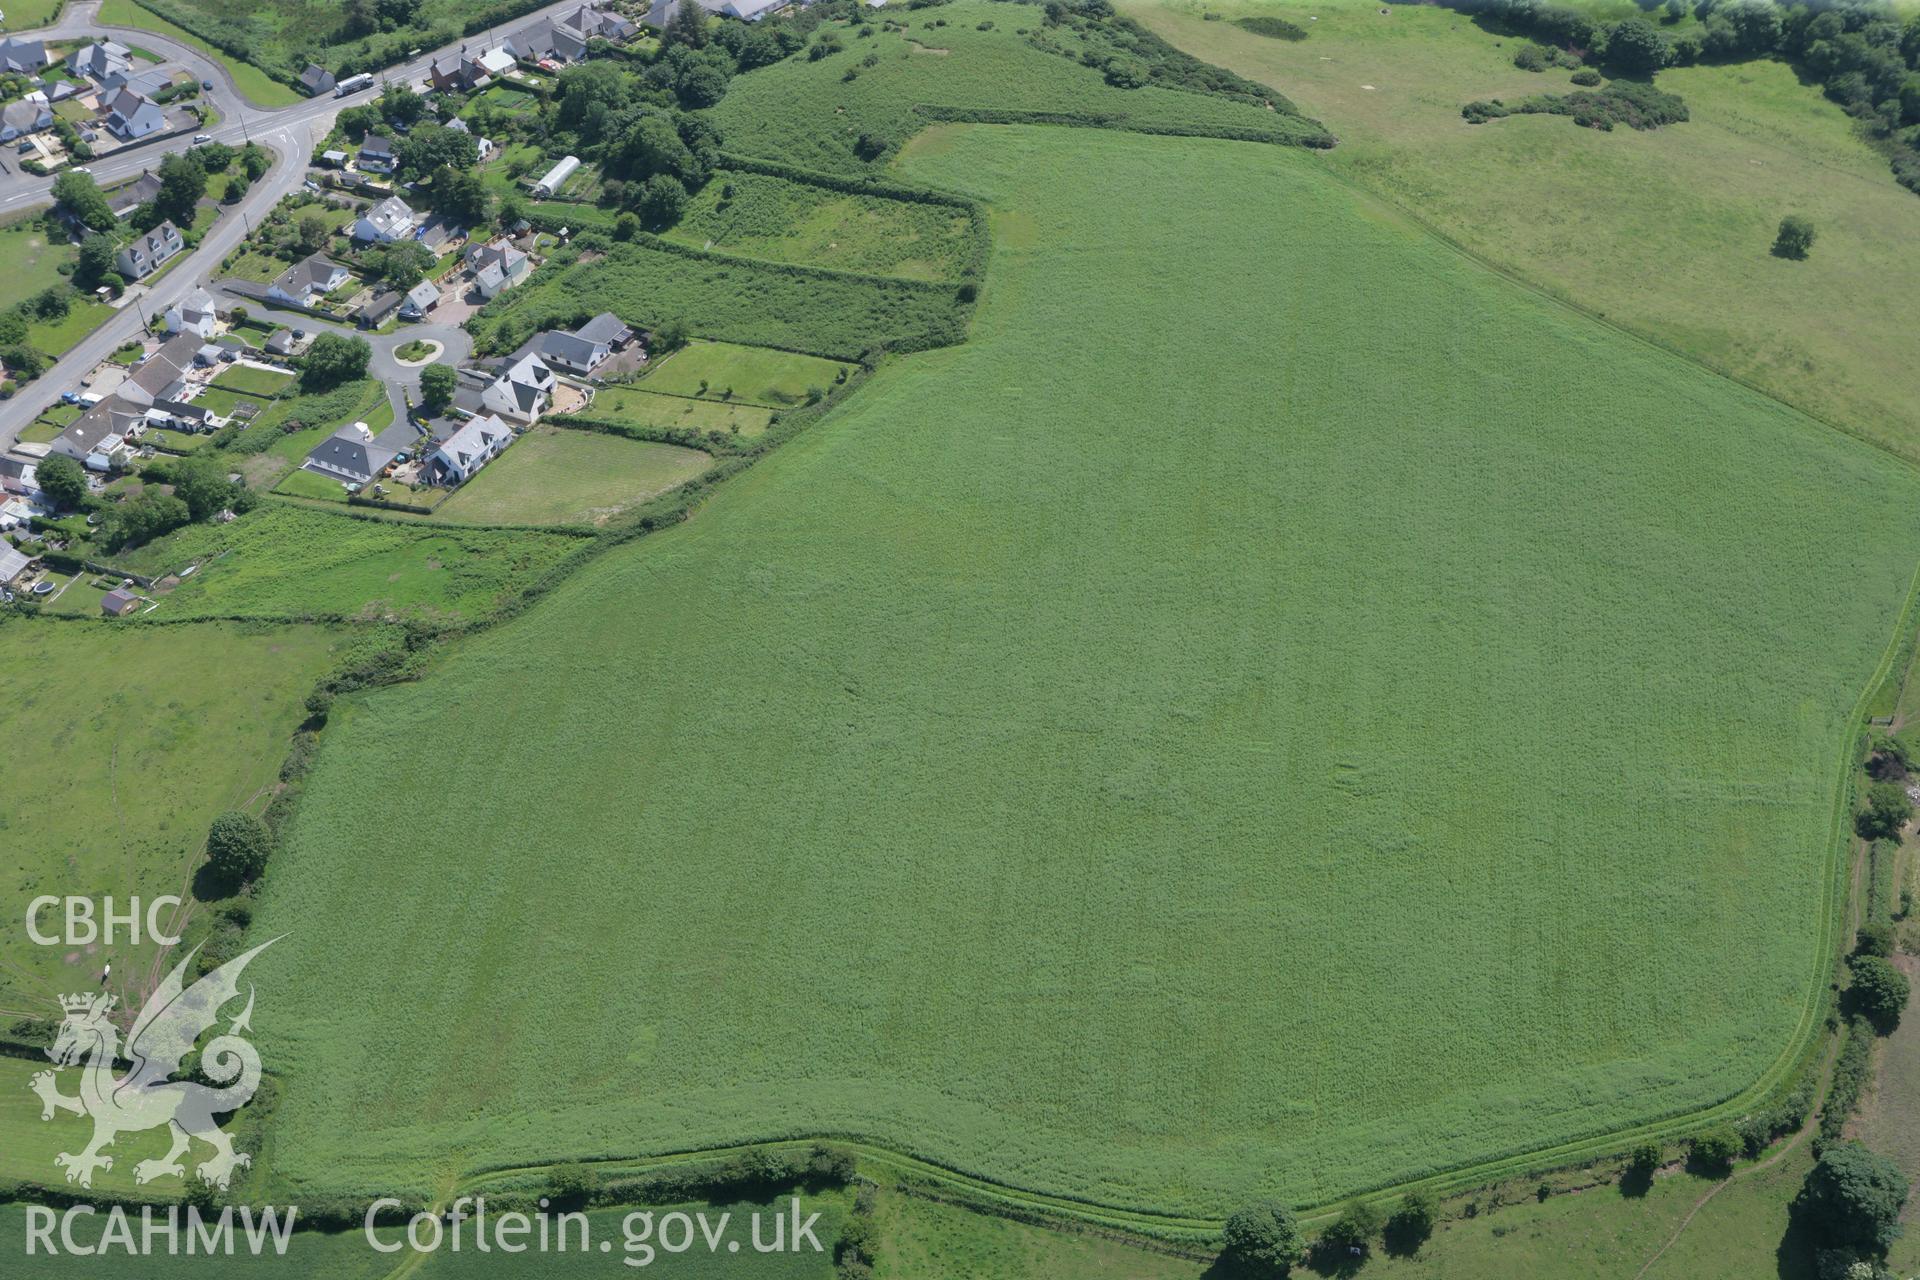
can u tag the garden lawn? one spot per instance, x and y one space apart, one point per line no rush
1272 713
773 218
251 381
555 476
129 739
1666 232
282 560
646 409
301 483
753 375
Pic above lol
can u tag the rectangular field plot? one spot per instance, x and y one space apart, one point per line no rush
555 476
649 409
749 375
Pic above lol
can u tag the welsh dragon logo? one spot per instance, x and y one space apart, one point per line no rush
147 1096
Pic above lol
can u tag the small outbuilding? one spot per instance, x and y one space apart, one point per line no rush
119 602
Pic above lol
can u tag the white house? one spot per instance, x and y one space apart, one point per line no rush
308 280
522 392
143 255
376 154
385 222
132 115
420 299
192 314
496 267
467 450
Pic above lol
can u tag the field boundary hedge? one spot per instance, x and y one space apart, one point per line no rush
1105 120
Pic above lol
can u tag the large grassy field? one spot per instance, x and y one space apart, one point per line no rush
554 476
287 561
809 112
125 742
1307 733
1664 232
29 260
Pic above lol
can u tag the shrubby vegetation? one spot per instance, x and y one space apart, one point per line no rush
1627 102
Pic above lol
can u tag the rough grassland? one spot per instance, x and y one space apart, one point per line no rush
804 112
551 476
286 561
1665 232
787 221
127 741
1327 737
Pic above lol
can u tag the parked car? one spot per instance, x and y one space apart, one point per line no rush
206 84
199 138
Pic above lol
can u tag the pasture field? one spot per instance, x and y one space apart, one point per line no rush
128 740
30 14
1047 799
648 409
727 371
28 1144
786 221
739 300
1666 233
805 112
554 476
283 560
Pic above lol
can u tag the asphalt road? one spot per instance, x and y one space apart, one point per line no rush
290 132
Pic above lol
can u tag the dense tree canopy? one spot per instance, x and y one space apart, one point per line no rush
63 480
1262 1240
334 359
1852 1199
79 196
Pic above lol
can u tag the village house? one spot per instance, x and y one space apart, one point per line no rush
420 299
132 115
496 267
127 197
100 60
584 349
389 220
376 154
522 391
308 280
352 455
161 376
193 314
316 80
467 450
141 256
25 116
24 57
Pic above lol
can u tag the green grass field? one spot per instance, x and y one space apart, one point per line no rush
307 484
1280 757
648 409
127 741
806 113
252 77
250 381
773 218
282 560
26 15
1665 232
554 476
753 375
30 262
738 300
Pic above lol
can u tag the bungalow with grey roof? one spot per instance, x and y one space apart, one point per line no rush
351 455
25 116
308 280
584 349
24 57
99 60
316 80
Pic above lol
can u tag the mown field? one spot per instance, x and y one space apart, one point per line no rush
649 409
1665 232
555 476
286 561
807 112
1258 743
768 217
125 742
765 304
731 373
